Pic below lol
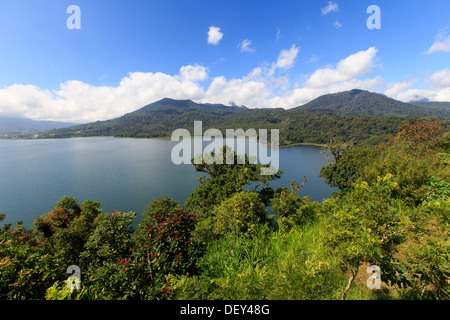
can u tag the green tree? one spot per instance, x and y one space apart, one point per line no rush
165 250
66 229
111 239
292 209
224 180
367 225
26 270
70 205
166 207
345 164
427 259
239 214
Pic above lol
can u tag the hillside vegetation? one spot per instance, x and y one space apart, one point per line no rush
360 102
391 213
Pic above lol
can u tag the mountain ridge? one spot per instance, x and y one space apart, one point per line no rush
363 102
342 116
19 125
166 104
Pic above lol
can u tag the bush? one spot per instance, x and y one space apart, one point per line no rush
239 214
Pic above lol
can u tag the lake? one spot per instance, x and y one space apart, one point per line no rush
123 174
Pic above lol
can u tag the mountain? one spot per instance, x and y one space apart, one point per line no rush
432 105
361 102
177 107
158 119
359 116
16 125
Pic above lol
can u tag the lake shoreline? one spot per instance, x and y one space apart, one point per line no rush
123 174
164 138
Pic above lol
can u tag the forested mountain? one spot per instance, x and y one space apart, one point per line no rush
358 116
360 102
20 125
433 105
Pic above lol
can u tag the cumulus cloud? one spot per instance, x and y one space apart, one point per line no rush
394 90
265 86
241 91
18 99
438 89
287 57
245 46
441 79
81 102
194 73
214 35
344 76
441 43
304 94
358 64
331 7
259 87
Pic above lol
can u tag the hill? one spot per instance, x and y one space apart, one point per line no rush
327 117
360 102
433 105
158 119
13 126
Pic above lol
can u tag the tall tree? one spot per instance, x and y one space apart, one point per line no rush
222 182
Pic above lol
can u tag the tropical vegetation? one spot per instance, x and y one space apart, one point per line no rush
237 238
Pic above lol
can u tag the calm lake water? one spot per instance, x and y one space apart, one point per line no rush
123 174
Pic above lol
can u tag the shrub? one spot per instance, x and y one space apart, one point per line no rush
239 214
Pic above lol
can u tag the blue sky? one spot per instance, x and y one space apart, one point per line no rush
258 53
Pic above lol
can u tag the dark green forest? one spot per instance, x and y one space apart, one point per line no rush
228 242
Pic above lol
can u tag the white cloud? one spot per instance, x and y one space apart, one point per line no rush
194 73
438 90
441 43
255 88
81 102
214 35
240 91
441 79
286 59
259 87
262 87
19 99
358 64
245 46
415 94
394 90
304 94
337 24
331 7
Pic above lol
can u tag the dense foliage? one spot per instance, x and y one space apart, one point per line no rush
236 238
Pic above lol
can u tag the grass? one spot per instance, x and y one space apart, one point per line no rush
266 265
